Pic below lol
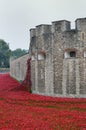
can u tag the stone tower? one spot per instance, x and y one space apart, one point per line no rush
58 59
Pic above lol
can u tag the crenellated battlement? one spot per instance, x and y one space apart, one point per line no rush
80 24
43 29
61 26
32 32
58 26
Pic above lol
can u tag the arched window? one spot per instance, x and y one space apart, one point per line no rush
70 54
33 57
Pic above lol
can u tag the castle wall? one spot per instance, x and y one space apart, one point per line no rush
58 40
57 64
33 75
58 59
48 64
41 76
82 76
74 77
18 67
57 75
43 67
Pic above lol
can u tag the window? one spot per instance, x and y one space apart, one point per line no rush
82 35
84 53
41 56
70 54
33 57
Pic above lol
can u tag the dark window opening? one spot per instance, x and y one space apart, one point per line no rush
82 36
72 54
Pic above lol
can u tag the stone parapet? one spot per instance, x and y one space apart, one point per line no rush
18 67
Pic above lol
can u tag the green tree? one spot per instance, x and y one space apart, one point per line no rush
5 53
18 53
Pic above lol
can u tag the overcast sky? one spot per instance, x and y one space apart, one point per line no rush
18 16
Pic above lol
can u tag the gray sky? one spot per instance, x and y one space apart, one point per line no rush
18 16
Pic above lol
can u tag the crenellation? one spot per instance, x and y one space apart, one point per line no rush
32 33
80 24
43 29
60 26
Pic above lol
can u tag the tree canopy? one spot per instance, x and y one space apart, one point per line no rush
18 53
5 53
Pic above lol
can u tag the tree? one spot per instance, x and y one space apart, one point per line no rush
5 53
18 53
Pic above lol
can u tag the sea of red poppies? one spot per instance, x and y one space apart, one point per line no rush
20 110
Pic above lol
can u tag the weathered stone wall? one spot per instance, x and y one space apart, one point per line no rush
41 69
74 77
53 70
69 73
56 74
18 67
